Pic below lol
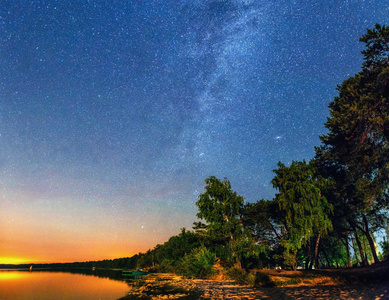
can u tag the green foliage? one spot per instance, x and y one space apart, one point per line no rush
377 48
289 257
385 248
166 266
237 252
335 251
304 207
199 263
355 152
301 199
146 259
262 219
357 143
177 247
220 207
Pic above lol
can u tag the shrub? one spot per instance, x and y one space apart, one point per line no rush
262 279
241 276
166 266
198 263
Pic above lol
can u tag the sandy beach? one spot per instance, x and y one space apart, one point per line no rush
170 286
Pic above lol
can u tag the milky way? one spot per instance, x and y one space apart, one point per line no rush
112 113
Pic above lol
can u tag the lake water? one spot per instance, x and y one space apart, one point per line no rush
58 285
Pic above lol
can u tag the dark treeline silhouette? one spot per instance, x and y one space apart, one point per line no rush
118 263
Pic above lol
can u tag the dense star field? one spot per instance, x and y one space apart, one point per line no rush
112 113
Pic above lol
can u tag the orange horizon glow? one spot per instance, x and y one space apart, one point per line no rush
64 253
68 255
22 261
15 260
36 233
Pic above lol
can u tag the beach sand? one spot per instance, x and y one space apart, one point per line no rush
170 286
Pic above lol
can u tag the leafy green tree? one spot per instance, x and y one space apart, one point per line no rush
170 253
334 252
220 208
301 201
146 259
262 219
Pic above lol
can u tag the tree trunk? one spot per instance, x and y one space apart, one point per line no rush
348 253
329 266
345 242
370 240
311 264
294 267
238 264
308 254
361 252
317 252
355 251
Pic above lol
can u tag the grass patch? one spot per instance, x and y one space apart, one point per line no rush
263 280
240 276
294 281
167 286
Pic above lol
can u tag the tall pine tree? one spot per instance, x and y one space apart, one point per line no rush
355 152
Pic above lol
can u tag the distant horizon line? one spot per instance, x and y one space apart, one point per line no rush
60 263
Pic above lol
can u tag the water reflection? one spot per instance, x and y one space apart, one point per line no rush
62 285
12 275
102 273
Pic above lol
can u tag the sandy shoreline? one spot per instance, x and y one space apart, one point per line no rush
170 286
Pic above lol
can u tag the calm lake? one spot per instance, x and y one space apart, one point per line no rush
58 285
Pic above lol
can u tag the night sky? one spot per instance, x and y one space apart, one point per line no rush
112 113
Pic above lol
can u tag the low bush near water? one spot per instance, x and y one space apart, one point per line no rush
198 264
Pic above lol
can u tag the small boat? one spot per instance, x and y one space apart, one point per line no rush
134 273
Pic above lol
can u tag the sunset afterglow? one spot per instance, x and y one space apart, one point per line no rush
14 260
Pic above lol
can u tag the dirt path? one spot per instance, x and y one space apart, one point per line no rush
169 286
